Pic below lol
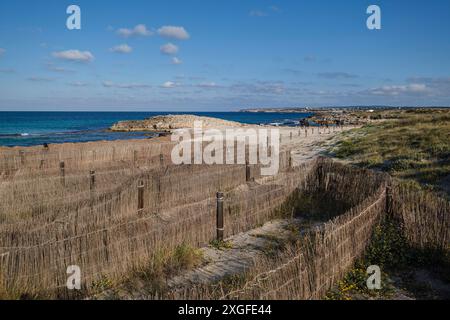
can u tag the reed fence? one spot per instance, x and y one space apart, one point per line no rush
110 213
113 221
309 269
424 216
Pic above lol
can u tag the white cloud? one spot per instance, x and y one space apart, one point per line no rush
258 13
264 13
78 84
169 49
275 8
260 87
110 84
395 90
139 30
74 55
168 85
123 48
39 79
2 51
54 68
173 32
175 60
207 85
337 75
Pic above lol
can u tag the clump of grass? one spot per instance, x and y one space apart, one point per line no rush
354 286
220 244
167 263
102 284
388 248
186 256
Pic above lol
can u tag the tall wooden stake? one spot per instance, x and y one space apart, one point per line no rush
219 218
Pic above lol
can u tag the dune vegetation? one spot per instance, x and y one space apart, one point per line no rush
413 145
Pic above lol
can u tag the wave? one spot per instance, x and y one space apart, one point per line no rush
46 134
285 122
12 135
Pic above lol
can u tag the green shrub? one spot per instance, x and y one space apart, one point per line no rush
388 247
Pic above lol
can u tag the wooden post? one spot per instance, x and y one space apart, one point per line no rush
92 180
62 171
219 218
161 160
290 159
248 175
388 200
306 132
22 157
135 157
140 196
41 165
290 135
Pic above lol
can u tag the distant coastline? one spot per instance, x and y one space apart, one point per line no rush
331 108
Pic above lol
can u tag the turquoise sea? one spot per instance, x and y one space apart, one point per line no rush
35 128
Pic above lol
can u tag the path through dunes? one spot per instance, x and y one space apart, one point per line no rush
238 254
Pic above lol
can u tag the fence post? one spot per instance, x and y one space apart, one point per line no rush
62 172
161 160
248 175
388 199
22 157
219 218
290 159
135 156
140 196
306 132
290 134
92 180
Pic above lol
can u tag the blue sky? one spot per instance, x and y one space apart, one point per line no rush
222 55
